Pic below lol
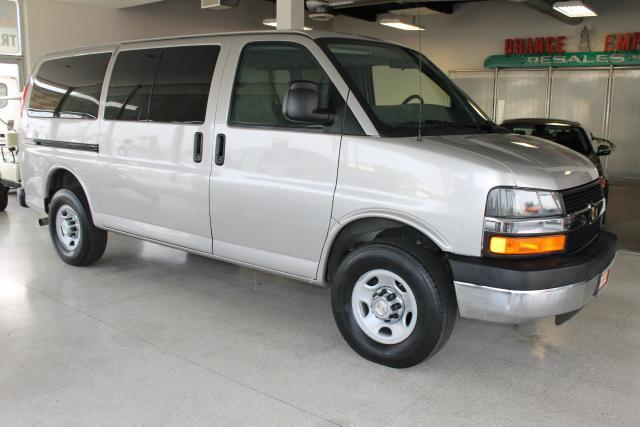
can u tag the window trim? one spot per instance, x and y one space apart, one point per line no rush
34 77
296 127
162 48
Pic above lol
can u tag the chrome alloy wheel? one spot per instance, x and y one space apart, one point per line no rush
384 306
68 228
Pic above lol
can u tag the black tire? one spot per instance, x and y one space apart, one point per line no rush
4 197
92 242
22 198
428 277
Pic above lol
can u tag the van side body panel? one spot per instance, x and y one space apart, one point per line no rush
429 185
41 139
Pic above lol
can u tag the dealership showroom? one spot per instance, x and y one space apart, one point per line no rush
320 212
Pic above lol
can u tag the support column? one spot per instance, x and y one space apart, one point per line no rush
290 14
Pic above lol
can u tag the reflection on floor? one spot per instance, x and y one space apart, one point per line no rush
623 215
152 335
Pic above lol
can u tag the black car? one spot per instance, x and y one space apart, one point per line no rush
570 134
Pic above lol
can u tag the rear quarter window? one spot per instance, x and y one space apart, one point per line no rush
69 87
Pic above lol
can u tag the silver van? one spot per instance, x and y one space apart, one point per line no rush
332 159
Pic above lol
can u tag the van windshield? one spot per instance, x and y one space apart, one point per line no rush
398 94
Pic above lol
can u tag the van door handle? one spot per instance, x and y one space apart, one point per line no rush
220 142
197 147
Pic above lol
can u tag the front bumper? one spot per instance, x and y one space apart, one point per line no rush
517 290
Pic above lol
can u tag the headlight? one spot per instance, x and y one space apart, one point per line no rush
516 203
524 222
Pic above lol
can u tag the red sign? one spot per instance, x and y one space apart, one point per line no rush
622 42
535 46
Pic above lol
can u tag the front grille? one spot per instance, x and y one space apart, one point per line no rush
575 200
578 198
577 240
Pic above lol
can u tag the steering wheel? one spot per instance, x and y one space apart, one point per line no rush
412 97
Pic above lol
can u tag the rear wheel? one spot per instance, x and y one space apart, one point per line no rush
392 307
4 197
76 240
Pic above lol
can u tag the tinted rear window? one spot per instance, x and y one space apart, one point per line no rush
162 85
69 87
131 84
569 136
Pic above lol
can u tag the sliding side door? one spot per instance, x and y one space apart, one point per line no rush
156 142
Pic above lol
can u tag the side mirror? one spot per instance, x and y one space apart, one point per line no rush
603 150
301 104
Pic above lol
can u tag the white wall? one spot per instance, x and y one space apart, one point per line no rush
458 41
477 30
53 25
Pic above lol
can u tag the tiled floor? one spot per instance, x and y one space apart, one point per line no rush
154 336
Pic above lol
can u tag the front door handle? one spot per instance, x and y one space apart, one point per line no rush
197 147
220 142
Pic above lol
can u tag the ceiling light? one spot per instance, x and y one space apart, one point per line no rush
397 23
574 9
272 22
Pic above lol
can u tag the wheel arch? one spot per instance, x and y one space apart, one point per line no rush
362 228
60 176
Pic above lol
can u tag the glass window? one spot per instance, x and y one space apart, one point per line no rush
181 90
130 85
69 87
395 86
162 85
571 137
400 92
264 74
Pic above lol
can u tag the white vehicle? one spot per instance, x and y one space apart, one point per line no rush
9 113
320 157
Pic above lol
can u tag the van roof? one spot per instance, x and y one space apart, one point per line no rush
311 34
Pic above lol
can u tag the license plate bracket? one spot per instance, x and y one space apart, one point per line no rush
603 279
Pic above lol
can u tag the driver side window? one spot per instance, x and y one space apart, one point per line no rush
263 77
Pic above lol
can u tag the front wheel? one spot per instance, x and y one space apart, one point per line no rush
4 197
76 240
391 306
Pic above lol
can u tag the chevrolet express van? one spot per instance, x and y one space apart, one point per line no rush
333 159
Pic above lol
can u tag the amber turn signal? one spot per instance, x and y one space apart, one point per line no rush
503 245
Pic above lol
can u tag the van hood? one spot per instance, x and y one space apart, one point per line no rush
534 162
